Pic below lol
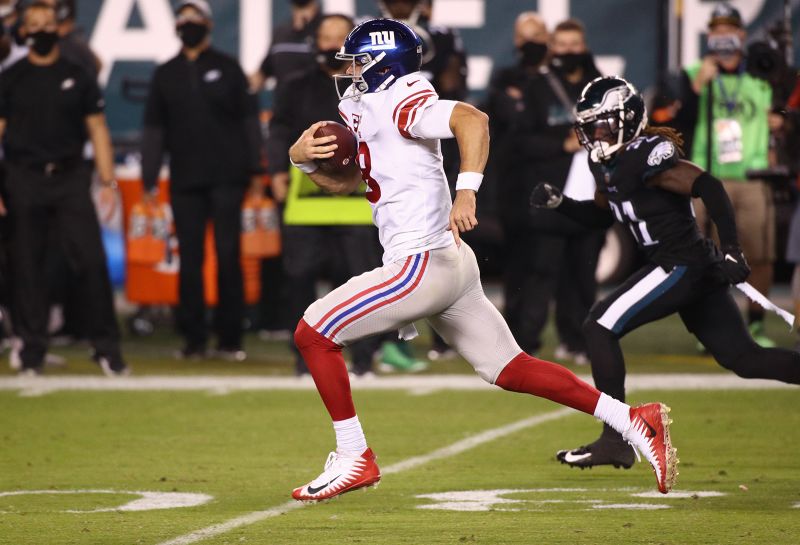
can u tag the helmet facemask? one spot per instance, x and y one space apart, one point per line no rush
602 136
350 85
605 130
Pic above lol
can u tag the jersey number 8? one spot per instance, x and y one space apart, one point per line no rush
365 163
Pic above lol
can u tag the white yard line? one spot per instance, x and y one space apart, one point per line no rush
416 384
232 524
404 465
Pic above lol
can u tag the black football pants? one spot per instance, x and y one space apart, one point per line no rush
708 310
39 206
193 209
555 260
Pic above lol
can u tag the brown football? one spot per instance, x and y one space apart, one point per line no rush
345 155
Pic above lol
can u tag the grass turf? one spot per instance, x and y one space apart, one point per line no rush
249 449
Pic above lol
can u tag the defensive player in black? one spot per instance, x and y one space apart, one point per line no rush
642 183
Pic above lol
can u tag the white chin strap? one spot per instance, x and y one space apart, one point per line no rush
603 151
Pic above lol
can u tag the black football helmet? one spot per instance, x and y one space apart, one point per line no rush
609 114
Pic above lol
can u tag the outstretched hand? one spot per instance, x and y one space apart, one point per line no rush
462 216
308 148
545 195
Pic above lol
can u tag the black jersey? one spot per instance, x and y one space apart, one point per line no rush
662 222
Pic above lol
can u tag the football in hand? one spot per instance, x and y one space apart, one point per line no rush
345 154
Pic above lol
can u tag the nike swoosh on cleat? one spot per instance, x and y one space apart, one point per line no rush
650 429
312 490
572 458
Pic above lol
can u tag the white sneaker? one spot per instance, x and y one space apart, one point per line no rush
343 473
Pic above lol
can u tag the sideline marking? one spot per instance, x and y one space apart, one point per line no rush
496 500
148 500
404 465
638 506
418 384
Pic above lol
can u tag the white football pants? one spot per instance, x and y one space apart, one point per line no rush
442 286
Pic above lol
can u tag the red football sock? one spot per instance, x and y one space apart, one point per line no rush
326 364
529 375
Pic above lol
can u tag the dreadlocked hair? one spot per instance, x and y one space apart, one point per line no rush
666 132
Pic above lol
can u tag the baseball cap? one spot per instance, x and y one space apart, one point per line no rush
725 14
201 6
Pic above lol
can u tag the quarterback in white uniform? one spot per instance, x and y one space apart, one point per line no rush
428 272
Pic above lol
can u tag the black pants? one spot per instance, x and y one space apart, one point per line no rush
193 209
60 203
706 307
552 259
335 253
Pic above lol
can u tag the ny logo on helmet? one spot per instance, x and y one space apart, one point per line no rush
383 39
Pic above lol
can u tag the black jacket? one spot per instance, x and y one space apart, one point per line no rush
291 51
300 101
203 115
544 125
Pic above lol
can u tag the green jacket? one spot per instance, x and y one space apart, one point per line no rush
752 99
307 204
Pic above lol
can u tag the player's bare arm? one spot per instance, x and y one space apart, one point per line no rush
678 179
308 149
471 129
686 178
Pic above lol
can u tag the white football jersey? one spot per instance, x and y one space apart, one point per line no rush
407 187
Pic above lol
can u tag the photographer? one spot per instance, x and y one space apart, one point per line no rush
737 126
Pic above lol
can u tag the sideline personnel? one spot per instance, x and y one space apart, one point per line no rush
199 110
47 107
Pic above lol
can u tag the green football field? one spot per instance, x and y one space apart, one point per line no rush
170 457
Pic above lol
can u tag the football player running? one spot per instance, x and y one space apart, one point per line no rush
643 184
428 271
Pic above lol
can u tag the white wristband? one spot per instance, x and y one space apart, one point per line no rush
307 167
469 180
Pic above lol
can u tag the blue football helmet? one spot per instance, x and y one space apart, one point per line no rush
384 50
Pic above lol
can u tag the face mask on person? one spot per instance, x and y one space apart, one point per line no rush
532 53
569 62
327 58
724 45
192 34
42 42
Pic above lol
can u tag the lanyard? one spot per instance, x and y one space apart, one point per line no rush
558 89
730 100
